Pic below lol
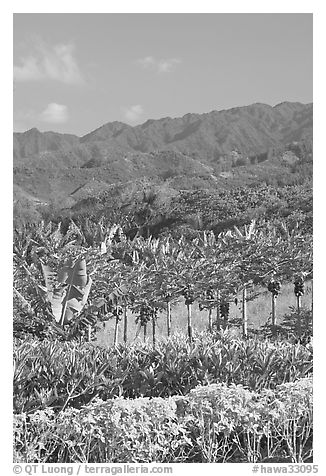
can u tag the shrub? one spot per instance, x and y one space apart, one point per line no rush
294 326
232 422
215 423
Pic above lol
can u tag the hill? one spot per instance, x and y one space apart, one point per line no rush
216 150
250 129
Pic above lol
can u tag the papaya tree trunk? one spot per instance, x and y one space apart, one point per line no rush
168 317
218 313
116 331
210 320
189 322
154 331
273 311
225 321
244 313
145 332
125 325
299 315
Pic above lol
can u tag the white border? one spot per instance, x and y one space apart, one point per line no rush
167 6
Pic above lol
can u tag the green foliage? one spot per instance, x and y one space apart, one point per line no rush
296 326
71 398
61 374
25 211
174 211
146 272
214 423
235 424
39 327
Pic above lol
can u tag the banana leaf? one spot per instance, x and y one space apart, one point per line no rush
53 293
74 275
50 276
56 298
68 299
24 303
76 302
78 287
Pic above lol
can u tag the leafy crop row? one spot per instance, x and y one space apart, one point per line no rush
67 374
214 423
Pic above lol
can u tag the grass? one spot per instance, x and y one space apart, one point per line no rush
258 311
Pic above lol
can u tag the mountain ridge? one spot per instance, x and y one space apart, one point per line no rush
83 138
227 148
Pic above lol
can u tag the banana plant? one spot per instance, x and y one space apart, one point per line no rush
67 290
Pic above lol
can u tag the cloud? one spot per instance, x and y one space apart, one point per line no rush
54 113
159 65
133 113
56 63
147 62
166 66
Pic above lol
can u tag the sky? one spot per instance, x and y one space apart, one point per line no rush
76 72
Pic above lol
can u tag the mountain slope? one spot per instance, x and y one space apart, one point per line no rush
251 130
227 148
34 142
